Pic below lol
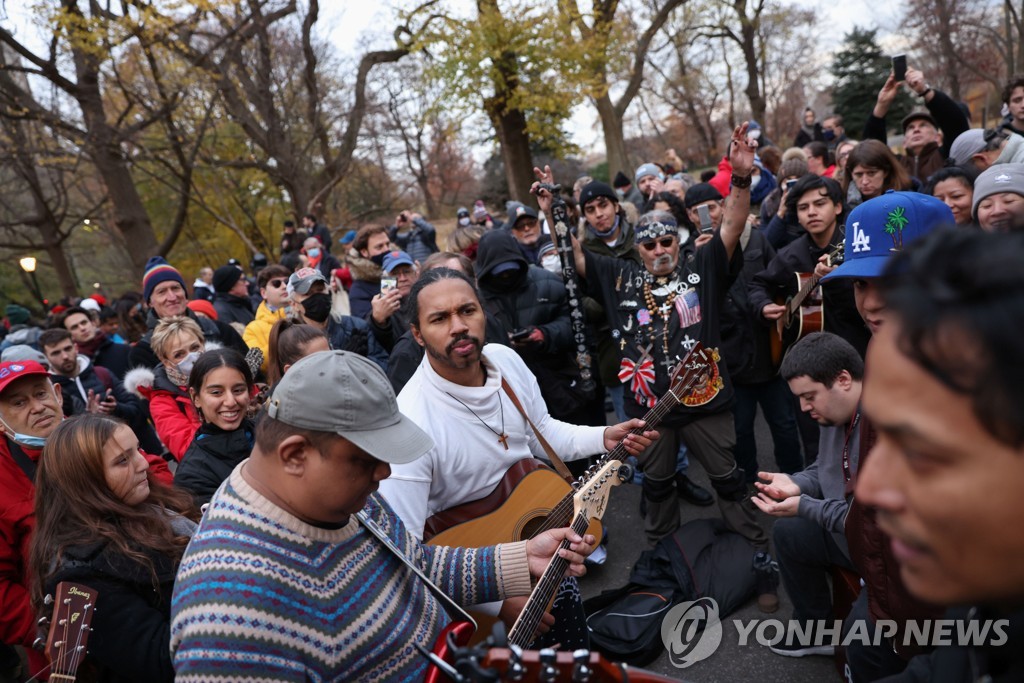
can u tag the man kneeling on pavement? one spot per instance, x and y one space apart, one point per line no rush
825 373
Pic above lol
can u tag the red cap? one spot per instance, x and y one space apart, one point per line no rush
16 369
99 298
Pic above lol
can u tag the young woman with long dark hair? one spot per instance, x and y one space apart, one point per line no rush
221 388
102 520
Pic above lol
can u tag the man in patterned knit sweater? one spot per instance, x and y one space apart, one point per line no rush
283 581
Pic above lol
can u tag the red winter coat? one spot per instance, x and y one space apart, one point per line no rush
174 415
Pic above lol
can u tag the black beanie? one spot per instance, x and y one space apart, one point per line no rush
225 277
700 193
595 189
621 180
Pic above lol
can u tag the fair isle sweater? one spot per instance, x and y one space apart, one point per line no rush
262 596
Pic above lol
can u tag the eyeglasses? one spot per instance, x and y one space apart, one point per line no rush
665 242
276 283
525 225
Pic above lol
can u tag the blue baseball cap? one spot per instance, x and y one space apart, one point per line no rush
348 238
395 259
884 225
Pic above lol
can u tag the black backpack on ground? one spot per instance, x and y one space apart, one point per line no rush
701 559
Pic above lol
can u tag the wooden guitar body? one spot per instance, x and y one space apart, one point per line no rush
512 512
806 318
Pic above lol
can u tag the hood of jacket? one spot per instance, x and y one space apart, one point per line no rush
496 247
362 268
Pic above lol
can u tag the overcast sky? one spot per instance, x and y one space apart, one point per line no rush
354 25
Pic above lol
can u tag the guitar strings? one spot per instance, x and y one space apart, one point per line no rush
79 654
531 615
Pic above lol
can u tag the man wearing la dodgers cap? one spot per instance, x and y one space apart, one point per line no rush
876 230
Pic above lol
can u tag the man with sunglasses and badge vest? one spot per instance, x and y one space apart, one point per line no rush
660 310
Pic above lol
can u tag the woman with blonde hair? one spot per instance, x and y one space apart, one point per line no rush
104 521
177 342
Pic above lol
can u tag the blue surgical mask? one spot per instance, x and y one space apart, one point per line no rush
26 440
828 134
185 366
313 253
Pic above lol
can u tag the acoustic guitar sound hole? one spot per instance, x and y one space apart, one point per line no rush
530 528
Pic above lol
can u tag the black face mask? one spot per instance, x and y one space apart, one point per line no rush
317 307
379 259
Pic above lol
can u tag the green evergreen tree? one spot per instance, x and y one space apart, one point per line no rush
860 70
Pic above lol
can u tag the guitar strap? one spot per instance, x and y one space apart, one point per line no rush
454 610
560 467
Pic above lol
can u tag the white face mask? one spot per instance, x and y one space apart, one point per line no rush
552 263
185 366
754 181
464 221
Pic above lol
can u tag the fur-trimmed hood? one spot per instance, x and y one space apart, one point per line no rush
363 268
144 381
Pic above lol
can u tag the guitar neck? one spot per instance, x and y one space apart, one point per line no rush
561 514
805 291
543 593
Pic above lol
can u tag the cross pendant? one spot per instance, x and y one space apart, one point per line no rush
503 440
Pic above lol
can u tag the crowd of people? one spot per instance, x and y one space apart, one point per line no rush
249 474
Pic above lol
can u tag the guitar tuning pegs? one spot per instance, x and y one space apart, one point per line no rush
47 599
39 645
548 672
581 673
43 621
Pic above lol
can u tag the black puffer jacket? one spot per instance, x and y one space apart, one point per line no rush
211 457
131 627
533 298
233 309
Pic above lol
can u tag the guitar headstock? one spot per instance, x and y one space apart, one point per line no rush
591 500
837 255
73 607
692 371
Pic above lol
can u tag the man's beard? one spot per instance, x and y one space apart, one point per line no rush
446 356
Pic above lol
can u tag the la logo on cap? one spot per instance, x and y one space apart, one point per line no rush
520 211
861 242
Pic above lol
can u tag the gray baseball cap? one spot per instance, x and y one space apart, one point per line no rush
349 395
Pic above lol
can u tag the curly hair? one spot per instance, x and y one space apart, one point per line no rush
75 506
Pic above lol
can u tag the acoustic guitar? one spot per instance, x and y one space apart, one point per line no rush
70 626
531 498
589 502
805 310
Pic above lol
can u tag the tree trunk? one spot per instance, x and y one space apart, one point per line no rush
753 89
614 140
130 216
510 126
